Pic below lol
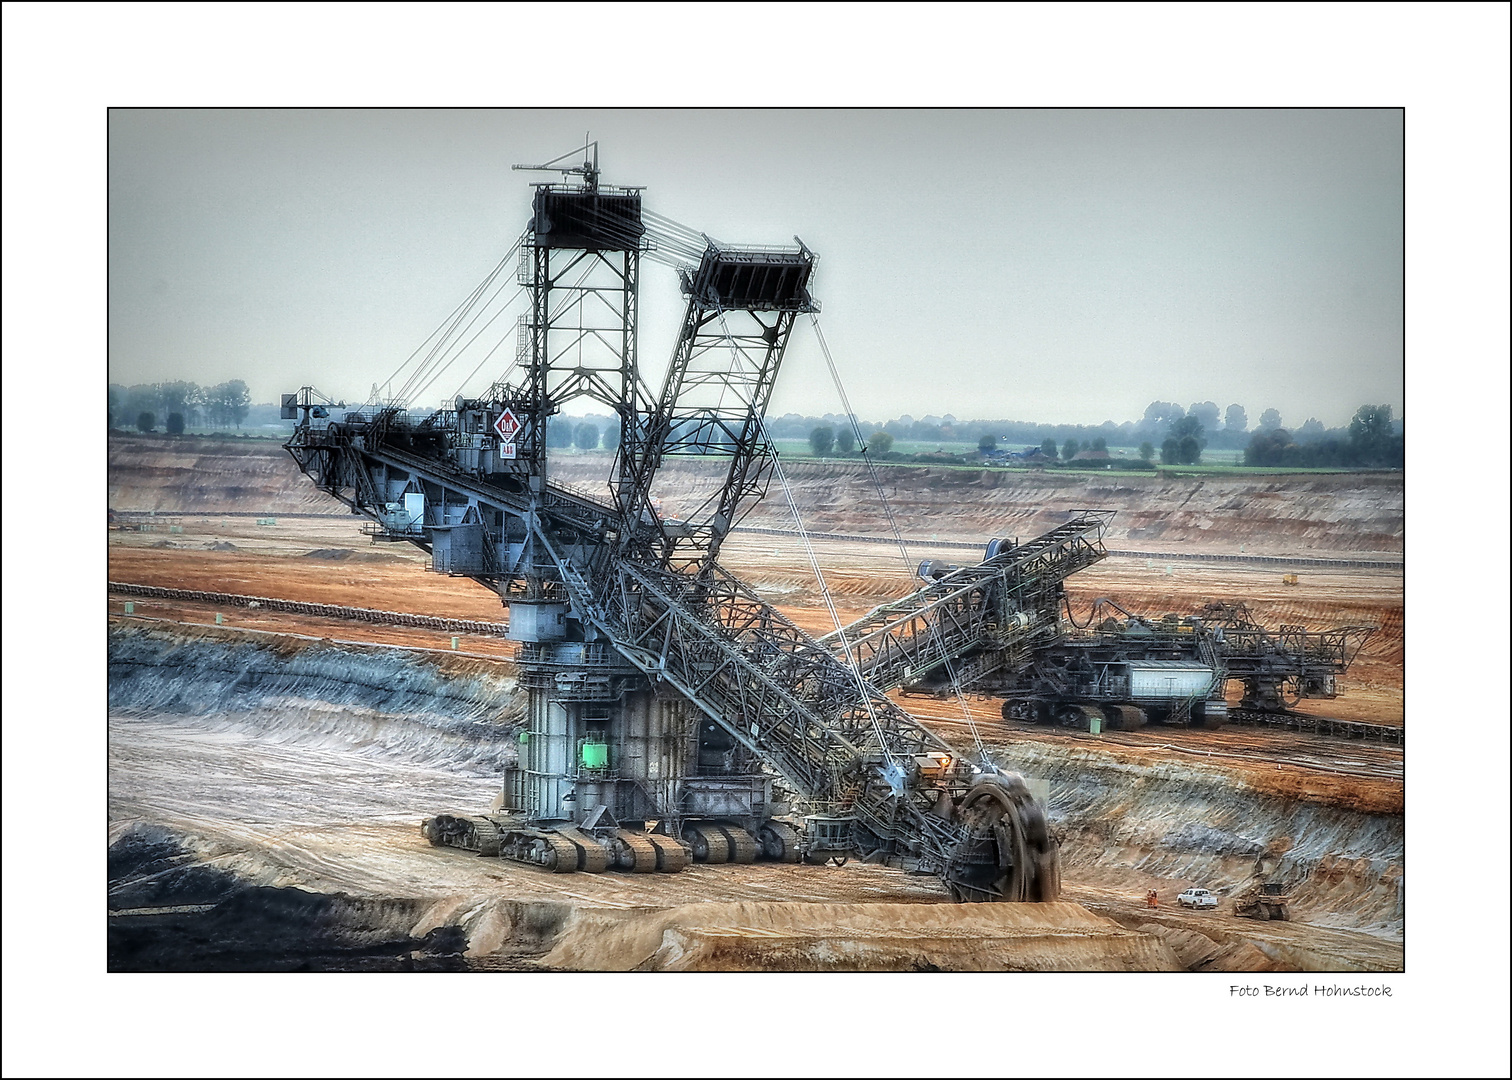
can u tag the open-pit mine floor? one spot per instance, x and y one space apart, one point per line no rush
276 783
267 776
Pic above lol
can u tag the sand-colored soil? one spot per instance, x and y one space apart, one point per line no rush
326 799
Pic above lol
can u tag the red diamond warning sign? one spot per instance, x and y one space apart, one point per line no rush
508 426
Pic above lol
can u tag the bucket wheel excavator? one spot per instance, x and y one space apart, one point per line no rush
673 715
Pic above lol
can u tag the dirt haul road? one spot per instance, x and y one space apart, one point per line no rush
234 805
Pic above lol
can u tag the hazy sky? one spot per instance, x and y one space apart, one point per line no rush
1066 266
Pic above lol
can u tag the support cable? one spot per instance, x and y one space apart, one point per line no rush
457 355
389 382
955 683
829 600
442 345
453 350
566 302
446 325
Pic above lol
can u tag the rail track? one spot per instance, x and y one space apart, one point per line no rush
1320 725
1183 556
1301 723
1300 750
303 607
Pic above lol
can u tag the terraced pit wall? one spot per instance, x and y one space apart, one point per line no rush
1313 515
1120 821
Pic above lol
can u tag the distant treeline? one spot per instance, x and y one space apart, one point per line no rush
1179 436
1222 429
173 406
1176 435
1372 439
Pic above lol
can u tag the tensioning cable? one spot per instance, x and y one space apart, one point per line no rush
824 590
892 523
447 327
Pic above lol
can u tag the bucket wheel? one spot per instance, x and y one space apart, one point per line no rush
1007 853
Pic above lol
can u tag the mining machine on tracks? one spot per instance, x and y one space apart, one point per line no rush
1004 627
672 713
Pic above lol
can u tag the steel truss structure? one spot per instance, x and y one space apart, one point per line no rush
995 610
996 628
667 702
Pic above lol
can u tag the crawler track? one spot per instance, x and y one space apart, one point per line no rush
1279 722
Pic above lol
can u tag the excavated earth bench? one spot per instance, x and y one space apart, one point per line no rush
770 936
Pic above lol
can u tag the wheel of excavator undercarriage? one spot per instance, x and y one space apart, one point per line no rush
554 852
709 844
1210 719
486 838
437 829
839 860
743 846
670 855
1124 717
634 852
543 854
592 857
779 842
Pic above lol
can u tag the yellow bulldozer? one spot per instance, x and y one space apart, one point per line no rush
1264 900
